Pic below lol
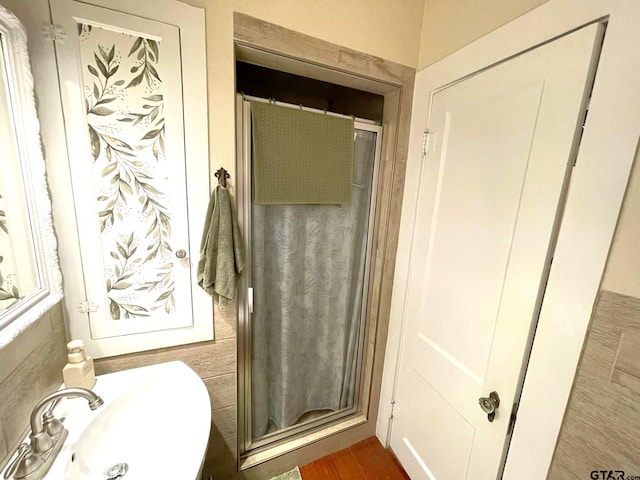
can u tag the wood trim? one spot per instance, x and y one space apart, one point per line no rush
207 359
304 55
380 408
283 42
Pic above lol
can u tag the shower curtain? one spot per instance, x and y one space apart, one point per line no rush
308 265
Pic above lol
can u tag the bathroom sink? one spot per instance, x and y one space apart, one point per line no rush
155 420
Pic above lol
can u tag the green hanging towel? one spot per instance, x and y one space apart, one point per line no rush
221 250
301 157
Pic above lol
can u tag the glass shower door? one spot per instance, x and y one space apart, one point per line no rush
308 279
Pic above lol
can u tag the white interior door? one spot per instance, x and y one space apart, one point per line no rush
497 164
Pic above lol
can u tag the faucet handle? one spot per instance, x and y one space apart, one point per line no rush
52 426
25 463
52 406
23 451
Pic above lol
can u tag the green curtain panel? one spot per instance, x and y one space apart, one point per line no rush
301 157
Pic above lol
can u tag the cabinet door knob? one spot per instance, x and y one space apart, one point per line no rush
181 253
489 405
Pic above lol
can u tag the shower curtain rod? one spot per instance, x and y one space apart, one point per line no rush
307 109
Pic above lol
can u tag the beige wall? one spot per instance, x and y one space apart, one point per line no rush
390 30
622 274
396 31
386 31
449 25
384 28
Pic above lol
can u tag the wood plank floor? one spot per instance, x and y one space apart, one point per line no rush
365 460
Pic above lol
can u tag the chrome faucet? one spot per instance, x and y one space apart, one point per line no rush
47 436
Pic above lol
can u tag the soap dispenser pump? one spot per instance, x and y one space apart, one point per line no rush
79 371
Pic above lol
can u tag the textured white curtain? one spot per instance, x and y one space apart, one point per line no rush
307 272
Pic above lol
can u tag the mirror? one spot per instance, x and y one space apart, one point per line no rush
30 279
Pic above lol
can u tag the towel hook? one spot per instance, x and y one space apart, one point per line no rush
222 176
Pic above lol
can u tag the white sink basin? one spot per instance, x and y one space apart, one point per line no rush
155 419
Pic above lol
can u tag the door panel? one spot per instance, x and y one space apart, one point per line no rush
137 197
471 239
445 428
490 198
136 149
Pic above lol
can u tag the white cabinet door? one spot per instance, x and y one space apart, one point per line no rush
497 165
138 186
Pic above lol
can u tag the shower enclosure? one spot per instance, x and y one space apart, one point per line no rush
303 297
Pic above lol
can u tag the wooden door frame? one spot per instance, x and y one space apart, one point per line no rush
604 161
263 43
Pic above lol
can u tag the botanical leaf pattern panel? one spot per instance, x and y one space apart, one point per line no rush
9 290
125 113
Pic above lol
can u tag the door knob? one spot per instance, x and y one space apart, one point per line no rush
490 404
181 253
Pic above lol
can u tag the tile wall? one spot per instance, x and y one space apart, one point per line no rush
602 421
30 368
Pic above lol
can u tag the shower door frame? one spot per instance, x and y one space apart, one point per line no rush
273 46
244 203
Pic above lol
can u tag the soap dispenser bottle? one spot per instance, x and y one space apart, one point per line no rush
79 372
